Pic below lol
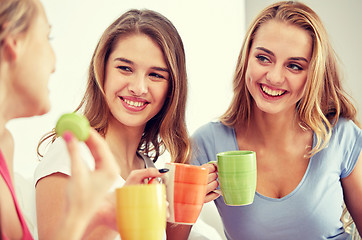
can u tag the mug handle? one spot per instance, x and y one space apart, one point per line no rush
218 191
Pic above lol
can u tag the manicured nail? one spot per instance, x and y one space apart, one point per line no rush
163 170
67 136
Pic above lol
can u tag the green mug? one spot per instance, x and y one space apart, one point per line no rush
237 176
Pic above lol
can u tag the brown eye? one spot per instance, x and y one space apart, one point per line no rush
156 75
125 68
295 67
262 59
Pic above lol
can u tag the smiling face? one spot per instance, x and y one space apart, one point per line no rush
278 66
136 80
34 64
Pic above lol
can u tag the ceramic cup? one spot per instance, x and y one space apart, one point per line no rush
141 211
186 190
237 176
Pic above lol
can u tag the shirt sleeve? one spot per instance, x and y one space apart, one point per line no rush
351 138
57 160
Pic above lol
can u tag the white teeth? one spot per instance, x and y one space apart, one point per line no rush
271 92
135 104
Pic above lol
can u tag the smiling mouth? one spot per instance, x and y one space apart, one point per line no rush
272 92
134 103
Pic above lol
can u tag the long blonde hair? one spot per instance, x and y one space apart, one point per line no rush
167 129
16 16
324 100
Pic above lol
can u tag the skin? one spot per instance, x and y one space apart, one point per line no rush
135 71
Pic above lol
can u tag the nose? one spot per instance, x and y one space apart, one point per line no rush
275 75
138 85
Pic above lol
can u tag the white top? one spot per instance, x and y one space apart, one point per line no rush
57 159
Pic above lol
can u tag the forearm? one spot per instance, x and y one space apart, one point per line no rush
77 225
72 227
100 228
177 231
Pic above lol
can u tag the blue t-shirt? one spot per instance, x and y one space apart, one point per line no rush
311 211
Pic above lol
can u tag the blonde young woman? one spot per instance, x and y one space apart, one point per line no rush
290 108
26 62
135 98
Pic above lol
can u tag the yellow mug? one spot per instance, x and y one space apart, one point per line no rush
141 211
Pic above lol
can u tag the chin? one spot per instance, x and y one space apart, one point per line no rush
41 110
268 108
44 110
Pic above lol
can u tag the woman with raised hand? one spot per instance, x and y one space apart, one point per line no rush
26 62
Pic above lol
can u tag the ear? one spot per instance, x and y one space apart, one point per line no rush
10 48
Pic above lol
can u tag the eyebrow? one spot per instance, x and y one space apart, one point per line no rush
131 62
292 58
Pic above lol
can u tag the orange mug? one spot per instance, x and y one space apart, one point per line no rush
185 190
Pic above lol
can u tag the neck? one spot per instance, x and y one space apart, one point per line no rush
123 142
274 130
10 99
6 102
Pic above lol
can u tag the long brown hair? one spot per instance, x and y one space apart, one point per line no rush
167 129
324 100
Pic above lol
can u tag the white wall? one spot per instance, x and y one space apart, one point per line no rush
342 20
211 30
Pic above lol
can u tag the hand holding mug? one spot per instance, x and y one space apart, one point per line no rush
211 190
140 175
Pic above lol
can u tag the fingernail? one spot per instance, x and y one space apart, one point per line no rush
163 170
67 136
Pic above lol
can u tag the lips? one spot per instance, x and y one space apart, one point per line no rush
134 104
271 92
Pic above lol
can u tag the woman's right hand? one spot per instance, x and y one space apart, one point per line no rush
212 182
87 189
140 175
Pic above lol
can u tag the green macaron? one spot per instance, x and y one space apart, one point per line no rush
74 122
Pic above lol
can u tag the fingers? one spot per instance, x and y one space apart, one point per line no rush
211 177
103 156
212 183
73 150
211 196
138 176
212 167
211 186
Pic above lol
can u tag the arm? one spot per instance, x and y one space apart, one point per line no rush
89 210
352 189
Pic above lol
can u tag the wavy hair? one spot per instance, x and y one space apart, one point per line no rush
324 100
167 129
